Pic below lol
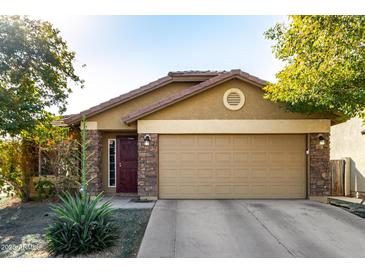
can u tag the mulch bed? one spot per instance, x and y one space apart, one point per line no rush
22 228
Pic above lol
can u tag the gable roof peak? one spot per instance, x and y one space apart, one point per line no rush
204 78
236 70
191 91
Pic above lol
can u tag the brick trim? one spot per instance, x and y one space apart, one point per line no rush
94 152
319 166
148 166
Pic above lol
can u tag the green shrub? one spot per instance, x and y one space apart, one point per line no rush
12 165
45 189
82 226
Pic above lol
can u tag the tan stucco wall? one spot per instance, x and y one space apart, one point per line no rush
209 105
111 119
347 141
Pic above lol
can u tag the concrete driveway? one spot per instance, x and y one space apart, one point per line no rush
252 228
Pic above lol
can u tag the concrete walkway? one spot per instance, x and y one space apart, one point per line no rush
346 199
252 228
128 202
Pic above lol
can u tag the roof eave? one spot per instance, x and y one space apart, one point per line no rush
228 76
170 78
118 100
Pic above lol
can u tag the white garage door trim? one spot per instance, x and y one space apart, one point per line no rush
292 126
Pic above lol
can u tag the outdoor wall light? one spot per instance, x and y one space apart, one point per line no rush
363 132
147 140
321 140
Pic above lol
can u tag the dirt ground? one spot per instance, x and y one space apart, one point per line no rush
22 230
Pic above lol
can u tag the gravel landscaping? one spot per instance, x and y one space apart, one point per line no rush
22 228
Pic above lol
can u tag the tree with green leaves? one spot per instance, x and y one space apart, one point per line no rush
48 149
324 59
36 69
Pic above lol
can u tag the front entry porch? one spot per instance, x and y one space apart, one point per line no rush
113 158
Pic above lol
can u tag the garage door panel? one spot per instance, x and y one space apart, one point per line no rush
205 189
188 141
169 143
277 173
259 143
277 143
167 174
241 189
205 157
206 142
232 166
223 142
277 158
278 189
258 158
222 157
259 190
240 158
187 156
241 143
293 174
204 173
169 159
187 173
187 189
295 158
223 189
223 173
239 173
168 188
258 173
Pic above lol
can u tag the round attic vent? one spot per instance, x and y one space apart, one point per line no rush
234 99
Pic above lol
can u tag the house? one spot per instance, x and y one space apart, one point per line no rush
204 134
348 141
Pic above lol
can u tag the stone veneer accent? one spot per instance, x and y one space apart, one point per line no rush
94 151
319 166
148 167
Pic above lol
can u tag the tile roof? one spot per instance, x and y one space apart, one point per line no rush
186 93
170 78
195 73
119 100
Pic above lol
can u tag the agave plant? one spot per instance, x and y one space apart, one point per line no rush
82 225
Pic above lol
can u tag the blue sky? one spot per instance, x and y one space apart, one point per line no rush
122 53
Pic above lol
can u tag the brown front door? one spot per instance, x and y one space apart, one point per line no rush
127 164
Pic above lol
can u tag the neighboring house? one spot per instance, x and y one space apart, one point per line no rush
348 140
206 135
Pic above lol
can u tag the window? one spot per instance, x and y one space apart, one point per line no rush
111 162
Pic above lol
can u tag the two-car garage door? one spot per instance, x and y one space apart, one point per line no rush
232 166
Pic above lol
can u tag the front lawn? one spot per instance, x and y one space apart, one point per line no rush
22 228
